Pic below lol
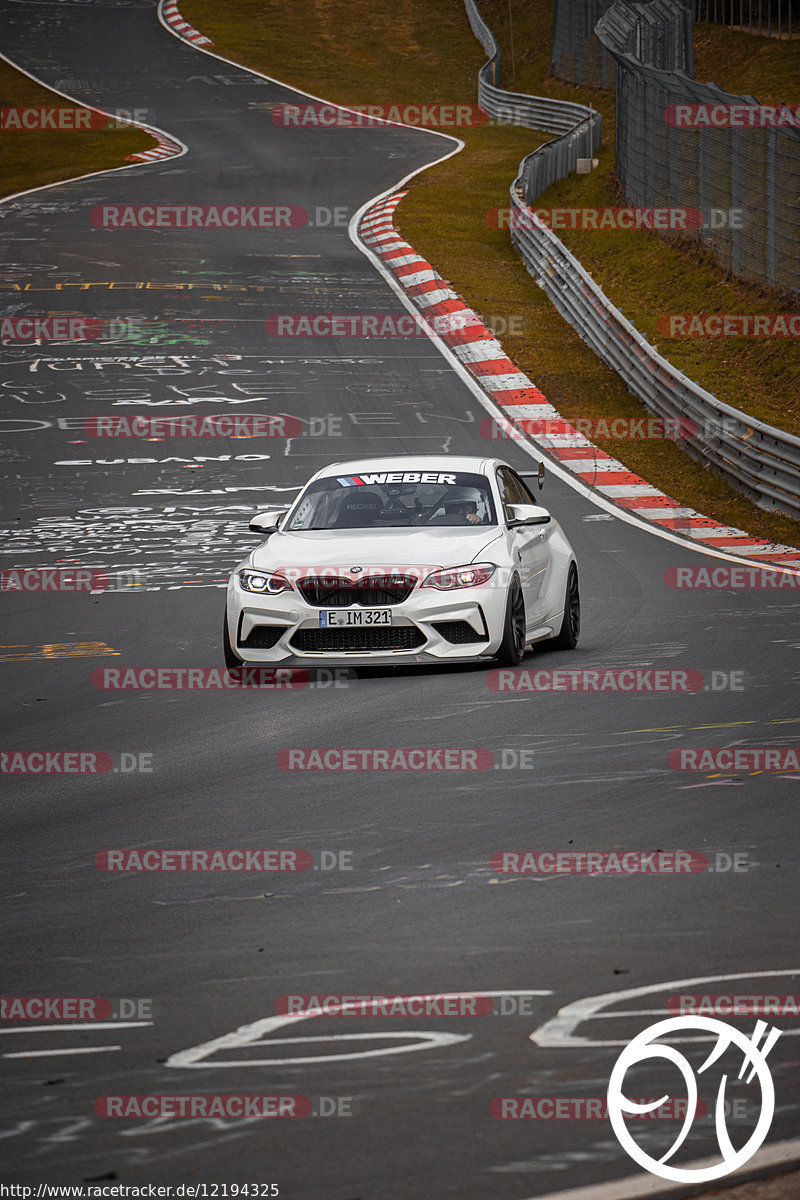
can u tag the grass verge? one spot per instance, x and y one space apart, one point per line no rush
33 157
409 52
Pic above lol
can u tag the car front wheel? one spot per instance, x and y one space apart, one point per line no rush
512 646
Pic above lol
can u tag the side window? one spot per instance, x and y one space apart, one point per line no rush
512 490
505 497
309 510
526 495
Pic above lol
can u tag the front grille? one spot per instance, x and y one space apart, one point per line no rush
377 591
460 633
264 637
398 637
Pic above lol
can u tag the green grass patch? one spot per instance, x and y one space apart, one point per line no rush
33 157
409 51
745 64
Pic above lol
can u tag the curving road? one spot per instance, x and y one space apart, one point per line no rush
417 907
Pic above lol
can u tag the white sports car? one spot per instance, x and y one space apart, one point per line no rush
408 559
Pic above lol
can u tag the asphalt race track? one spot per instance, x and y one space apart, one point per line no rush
403 898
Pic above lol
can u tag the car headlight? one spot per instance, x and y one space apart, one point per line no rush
264 583
448 578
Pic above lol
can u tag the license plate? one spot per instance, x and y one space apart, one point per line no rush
355 616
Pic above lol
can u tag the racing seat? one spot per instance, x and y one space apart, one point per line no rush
360 510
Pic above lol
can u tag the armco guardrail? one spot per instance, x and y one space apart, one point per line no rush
687 144
580 126
758 459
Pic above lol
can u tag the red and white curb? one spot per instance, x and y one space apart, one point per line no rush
520 401
166 148
175 21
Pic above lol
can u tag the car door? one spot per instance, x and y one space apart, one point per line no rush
529 546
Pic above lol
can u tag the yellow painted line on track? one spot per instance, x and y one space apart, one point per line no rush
721 725
654 729
52 650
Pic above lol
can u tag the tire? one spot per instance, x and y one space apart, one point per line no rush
231 659
512 647
571 624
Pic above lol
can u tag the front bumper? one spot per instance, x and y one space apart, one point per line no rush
473 616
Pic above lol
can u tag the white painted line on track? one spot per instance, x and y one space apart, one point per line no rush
418 1040
56 1053
559 1030
251 1035
77 1025
422 1041
637 1187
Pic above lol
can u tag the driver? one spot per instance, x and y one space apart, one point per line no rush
463 508
463 503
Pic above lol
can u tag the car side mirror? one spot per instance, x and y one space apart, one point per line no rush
267 522
538 475
528 514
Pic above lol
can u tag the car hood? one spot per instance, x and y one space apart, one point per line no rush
442 546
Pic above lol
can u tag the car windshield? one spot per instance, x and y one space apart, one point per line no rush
394 499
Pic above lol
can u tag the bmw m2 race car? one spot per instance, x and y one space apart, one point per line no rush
408 559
